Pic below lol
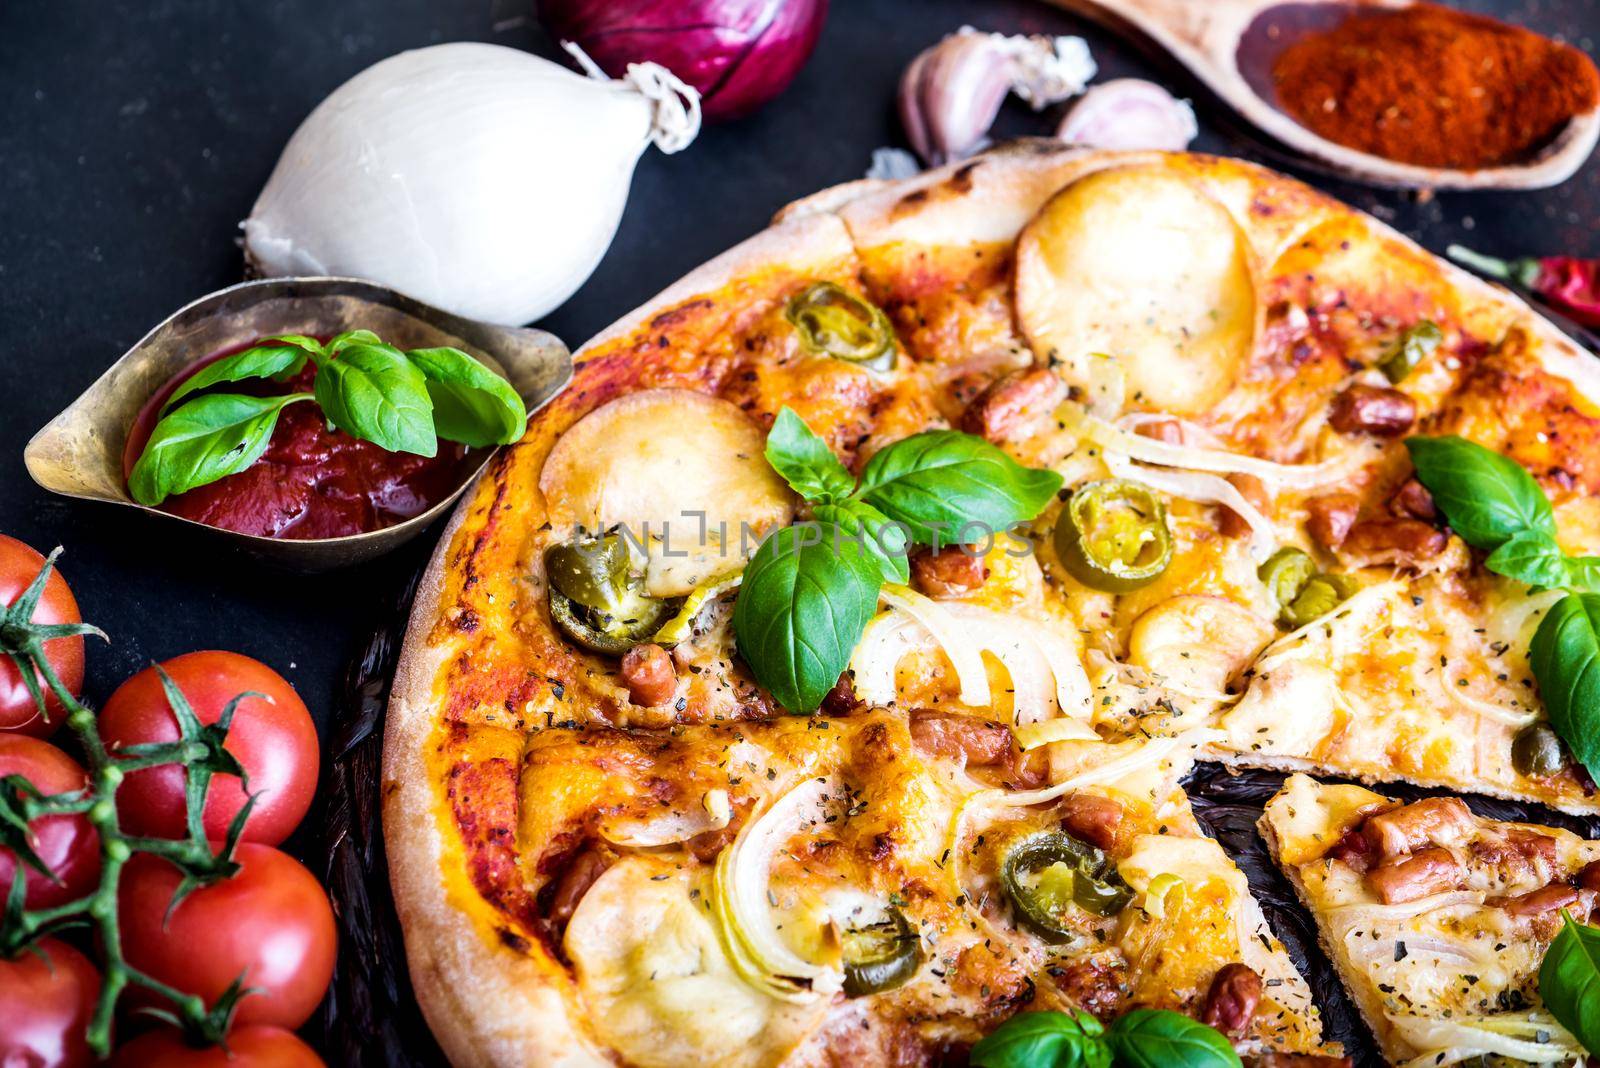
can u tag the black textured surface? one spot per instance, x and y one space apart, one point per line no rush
135 135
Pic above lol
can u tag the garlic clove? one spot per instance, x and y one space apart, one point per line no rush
951 93
474 177
1130 113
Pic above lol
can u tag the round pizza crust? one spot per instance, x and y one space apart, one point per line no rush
490 1005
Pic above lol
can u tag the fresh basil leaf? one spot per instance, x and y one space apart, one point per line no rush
1583 573
1532 557
1044 1040
374 393
1161 1038
867 531
1487 498
1569 980
206 439
471 404
941 482
805 461
1565 657
339 342
269 360
801 610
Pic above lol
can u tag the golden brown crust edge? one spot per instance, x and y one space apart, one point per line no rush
484 1004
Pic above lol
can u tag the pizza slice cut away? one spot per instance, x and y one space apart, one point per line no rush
798 890
1436 919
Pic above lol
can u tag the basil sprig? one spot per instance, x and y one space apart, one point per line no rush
1569 980
1488 498
1497 506
1143 1038
810 590
401 401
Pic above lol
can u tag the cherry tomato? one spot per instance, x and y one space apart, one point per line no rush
274 740
271 922
19 565
248 1047
47 996
68 845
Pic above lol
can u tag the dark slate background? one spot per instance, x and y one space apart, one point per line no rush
135 134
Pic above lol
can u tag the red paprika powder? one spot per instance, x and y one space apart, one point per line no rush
1430 86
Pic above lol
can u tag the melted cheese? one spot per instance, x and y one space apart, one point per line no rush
657 984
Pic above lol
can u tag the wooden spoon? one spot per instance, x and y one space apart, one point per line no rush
1231 46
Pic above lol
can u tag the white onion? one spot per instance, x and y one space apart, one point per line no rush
742 905
480 179
1045 674
1468 1036
1151 451
1203 488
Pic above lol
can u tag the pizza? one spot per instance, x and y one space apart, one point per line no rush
667 783
1436 919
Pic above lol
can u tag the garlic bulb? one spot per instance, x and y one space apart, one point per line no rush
950 94
477 178
1130 113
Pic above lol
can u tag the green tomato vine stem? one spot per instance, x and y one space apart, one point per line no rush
199 750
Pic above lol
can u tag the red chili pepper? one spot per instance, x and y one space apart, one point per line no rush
1571 284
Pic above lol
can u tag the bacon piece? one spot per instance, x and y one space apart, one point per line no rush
1413 499
1231 1002
1377 410
648 673
1537 902
1331 518
1098 987
1407 878
582 872
1091 818
1395 541
953 736
1230 523
1353 849
1588 876
953 571
1431 821
1014 401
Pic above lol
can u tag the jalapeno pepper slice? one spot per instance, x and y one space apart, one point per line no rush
880 956
833 322
1285 574
590 571
604 632
1410 349
1319 596
1047 873
595 602
1112 536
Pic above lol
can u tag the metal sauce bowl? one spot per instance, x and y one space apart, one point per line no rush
79 453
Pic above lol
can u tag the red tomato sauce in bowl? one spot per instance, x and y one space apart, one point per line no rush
313 481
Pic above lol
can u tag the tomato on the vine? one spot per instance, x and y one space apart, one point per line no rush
68 845
270 922
272 737
248 1047
19 566
47 998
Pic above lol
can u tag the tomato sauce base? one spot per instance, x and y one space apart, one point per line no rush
313 481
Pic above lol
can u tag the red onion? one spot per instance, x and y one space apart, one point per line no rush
738 53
